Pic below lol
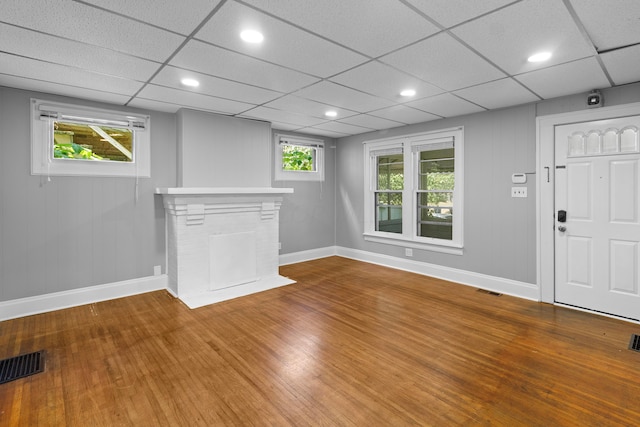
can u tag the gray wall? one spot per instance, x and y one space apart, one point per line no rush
75 232
307 217
499 231
222 151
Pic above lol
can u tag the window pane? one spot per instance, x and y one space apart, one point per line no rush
92 142
389 212
298 158
390 172
436 182
436 170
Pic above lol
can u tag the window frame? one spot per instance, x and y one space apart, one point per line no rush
44 113
286 175
409 237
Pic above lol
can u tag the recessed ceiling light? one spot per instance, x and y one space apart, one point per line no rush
190 82
252 36
408 92
539 57
331 113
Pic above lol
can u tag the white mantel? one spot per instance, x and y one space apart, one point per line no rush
222 243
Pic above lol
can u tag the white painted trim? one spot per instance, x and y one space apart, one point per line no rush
308 255
491 283
545 191
59 300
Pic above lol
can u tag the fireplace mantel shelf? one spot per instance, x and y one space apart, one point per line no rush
213 191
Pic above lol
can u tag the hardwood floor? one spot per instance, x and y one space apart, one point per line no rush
350 344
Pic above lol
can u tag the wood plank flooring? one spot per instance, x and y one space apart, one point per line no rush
350 344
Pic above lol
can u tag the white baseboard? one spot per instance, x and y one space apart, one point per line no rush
477 280
514 288
309 255
58 300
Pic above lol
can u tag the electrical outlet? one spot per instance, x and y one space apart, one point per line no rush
518 191
408 252
279 245
157 270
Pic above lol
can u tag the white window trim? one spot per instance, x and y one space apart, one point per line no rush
409 237
282 175
43 113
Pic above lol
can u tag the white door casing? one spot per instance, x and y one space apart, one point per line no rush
545 185
597 249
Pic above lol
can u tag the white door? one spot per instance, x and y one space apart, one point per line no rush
597 246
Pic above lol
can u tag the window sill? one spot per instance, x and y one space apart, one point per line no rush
408 243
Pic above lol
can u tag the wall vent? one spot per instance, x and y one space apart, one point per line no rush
634 342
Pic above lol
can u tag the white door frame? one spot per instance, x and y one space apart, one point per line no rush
545 185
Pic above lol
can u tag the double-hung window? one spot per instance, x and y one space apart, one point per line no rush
413 191
76 140
298 159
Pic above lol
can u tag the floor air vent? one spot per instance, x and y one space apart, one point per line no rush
634 343
21 366
484 291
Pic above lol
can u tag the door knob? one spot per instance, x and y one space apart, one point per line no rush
562 228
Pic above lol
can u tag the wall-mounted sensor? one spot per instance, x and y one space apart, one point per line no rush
519 178
595 99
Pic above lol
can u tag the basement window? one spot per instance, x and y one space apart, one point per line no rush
298 159
76 140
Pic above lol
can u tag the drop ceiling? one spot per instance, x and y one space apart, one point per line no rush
350 56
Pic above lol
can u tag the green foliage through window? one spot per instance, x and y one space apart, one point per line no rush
74 151
298 158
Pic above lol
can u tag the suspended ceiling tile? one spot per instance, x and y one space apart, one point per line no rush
180 16
273 115
36 45
445 105
214 86
88 24
404 114
451 12
622 64
61 74
340 96
284 44
498 94
372 29
371 122
306 106
284 126
610 24
566 79
193 100
382 80
443 62
60 89
149 104
509 36
202 57
322 132
339 127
